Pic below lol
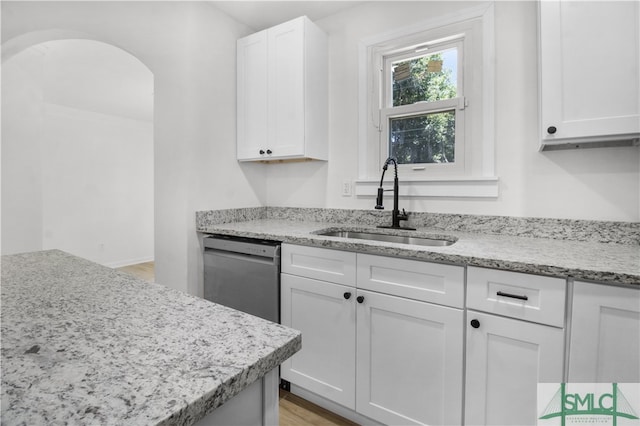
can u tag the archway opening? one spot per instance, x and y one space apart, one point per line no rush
77 152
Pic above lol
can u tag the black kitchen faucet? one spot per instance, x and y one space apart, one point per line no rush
396 216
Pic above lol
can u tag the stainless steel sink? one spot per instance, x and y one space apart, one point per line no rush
402 239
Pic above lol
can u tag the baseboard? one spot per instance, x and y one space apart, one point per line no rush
332 406
121 263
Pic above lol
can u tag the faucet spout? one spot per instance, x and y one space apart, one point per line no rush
379 205
396 216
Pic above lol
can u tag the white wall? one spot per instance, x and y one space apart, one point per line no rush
22 121
190 48
596 184
97 186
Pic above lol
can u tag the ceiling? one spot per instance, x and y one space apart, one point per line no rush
259 15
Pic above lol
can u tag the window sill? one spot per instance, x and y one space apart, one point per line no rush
480 187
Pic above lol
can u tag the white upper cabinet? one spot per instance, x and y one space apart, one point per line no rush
589 73
282 93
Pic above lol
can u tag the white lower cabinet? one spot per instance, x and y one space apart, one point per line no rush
605 334
325 313
391 359
389 339
409 361
506 357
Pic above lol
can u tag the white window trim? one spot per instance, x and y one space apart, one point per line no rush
483 185
480 187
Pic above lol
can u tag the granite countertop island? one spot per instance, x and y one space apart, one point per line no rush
86 344
606 252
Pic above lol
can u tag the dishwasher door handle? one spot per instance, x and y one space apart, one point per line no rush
210 254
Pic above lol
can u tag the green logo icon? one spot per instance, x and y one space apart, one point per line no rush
565 404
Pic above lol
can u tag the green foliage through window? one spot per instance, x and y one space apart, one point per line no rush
428 137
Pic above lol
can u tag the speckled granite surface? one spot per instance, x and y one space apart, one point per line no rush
555 229
573 254
85 344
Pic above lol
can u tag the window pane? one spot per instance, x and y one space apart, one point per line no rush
424 138
430 77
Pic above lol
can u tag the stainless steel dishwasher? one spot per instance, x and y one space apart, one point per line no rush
244 274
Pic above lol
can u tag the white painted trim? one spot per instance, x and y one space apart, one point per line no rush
363 112
483 187
439 21
488 92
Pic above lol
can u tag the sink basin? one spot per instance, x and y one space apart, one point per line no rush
402 239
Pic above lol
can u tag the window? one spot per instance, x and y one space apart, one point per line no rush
427 100
422 114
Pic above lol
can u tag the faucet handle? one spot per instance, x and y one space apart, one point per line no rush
403 215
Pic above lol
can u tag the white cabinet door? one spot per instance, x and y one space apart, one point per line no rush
506 359
286 89
325 313
409 362
252 95
605 334
589 70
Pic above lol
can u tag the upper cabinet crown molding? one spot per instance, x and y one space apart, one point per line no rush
282 93
589 73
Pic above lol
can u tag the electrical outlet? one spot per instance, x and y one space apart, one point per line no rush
346 188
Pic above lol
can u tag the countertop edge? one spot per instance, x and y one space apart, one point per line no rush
389 249
205 405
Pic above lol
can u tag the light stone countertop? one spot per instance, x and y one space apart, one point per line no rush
582 260
86 344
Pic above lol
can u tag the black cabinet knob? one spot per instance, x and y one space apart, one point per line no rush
360 299
269 151
347 295
551 130
262 152
475 323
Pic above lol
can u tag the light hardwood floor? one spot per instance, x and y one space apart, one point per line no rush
294 411
144 271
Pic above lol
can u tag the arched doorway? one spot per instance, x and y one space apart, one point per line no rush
77 150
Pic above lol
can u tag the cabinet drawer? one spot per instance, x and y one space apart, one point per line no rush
430 282
322 264
523 296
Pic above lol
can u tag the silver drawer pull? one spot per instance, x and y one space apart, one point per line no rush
513 296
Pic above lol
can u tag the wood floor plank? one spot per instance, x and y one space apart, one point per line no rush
295 411
143 271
